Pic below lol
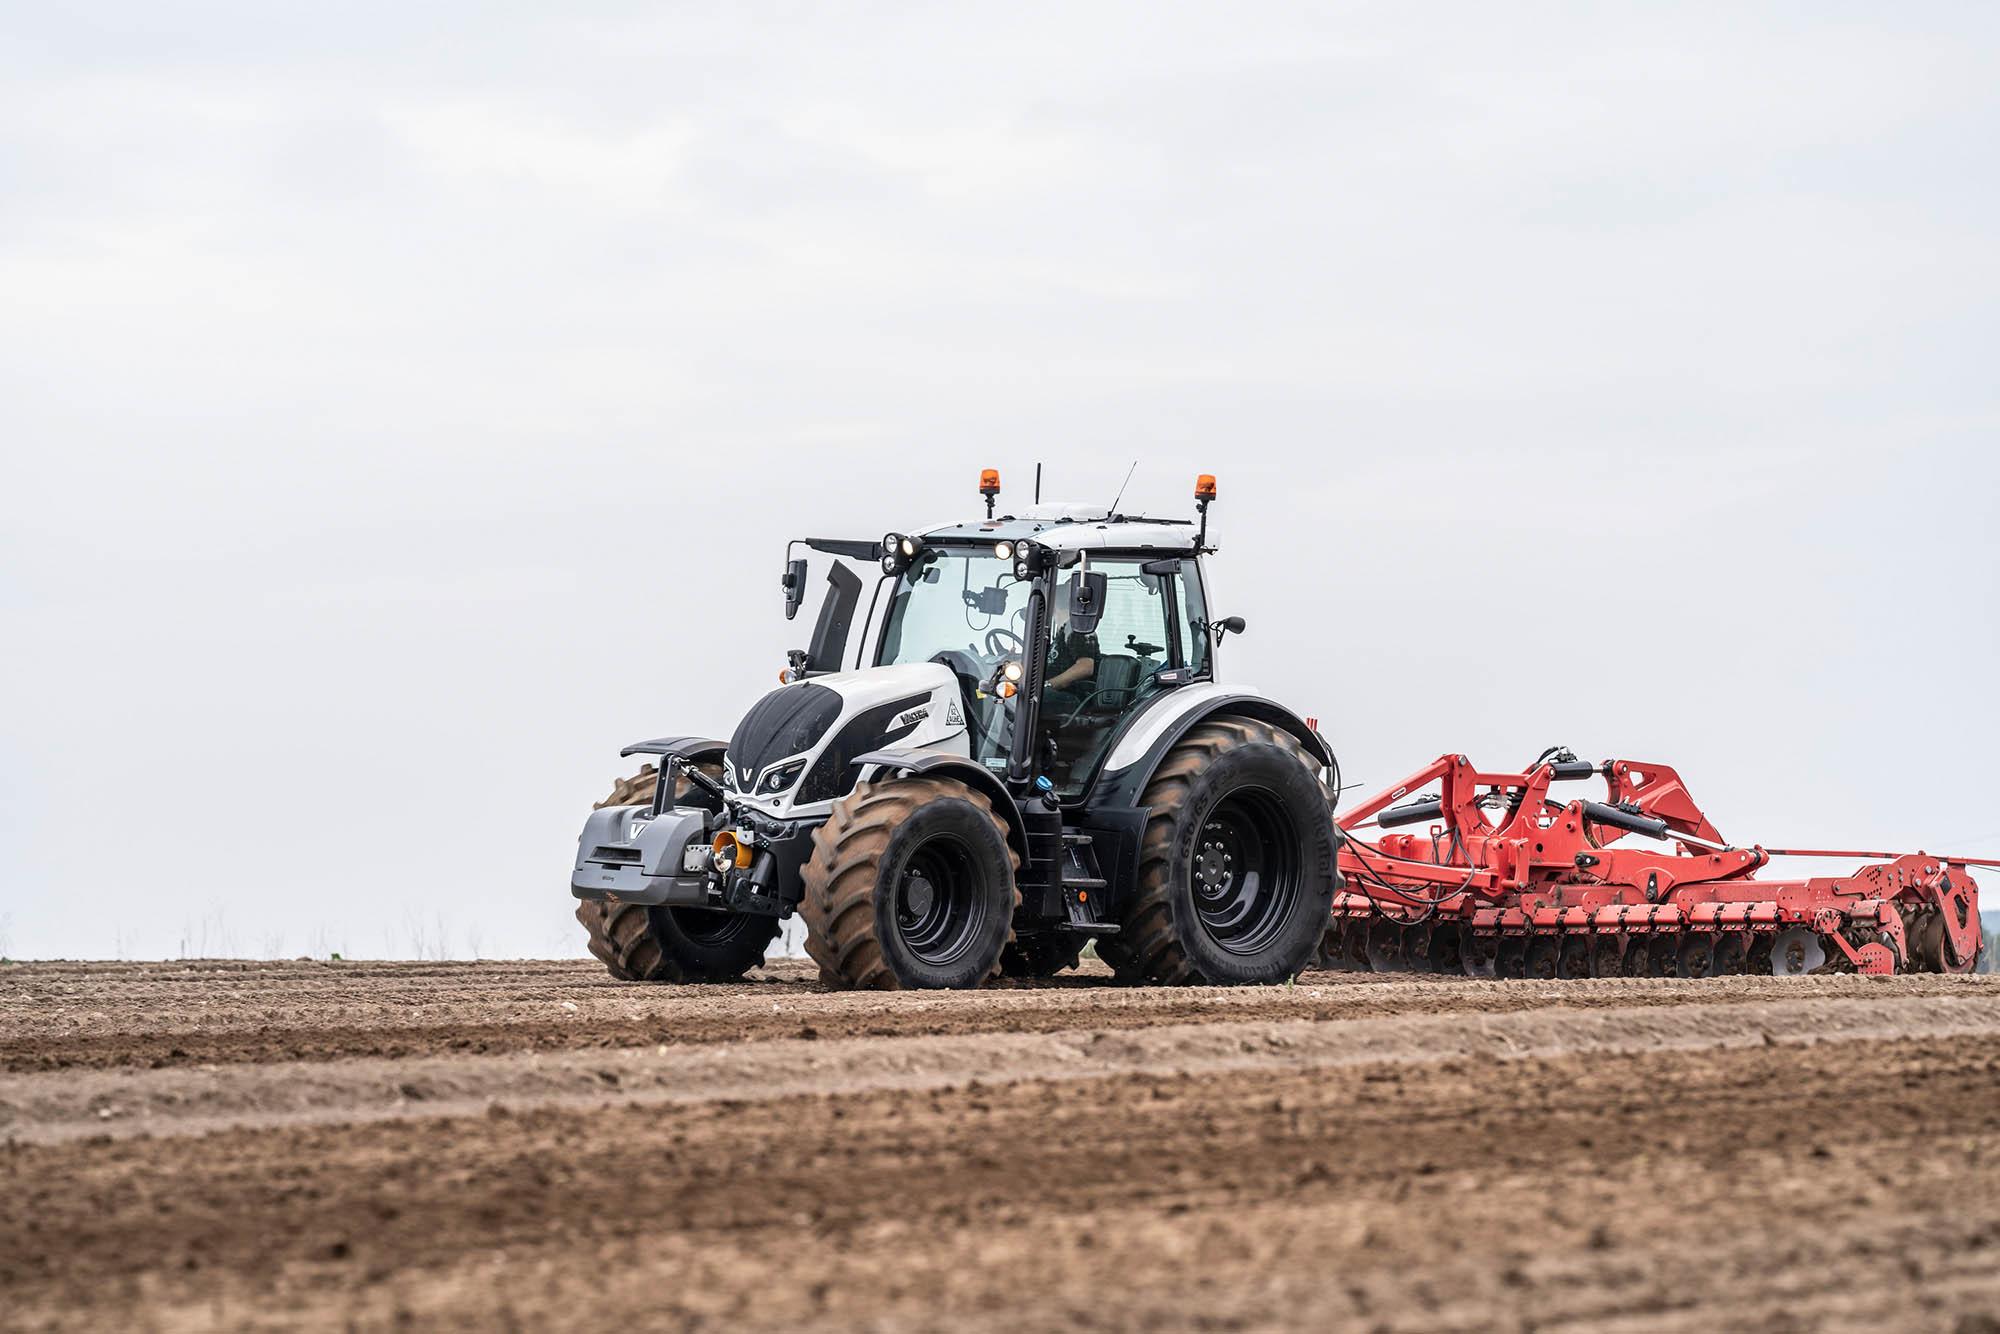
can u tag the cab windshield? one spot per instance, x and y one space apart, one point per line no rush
956 604
967 611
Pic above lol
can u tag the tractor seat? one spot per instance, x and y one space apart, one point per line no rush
1118 677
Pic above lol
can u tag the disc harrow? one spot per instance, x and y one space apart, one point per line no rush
1505 880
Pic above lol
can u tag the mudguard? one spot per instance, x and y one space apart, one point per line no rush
966 770
1147 738
687 747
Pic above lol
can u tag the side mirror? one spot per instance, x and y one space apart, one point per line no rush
794 584
1230 625
1086 600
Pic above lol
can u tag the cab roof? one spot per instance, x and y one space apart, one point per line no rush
1075 528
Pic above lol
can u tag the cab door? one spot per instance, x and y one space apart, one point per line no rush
1146 639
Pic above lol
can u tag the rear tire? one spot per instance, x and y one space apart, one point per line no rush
910 884
1236 866
640 944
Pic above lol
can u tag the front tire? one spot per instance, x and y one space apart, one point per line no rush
1236 867
910 884
640 944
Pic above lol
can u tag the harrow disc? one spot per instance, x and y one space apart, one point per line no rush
1385 947
1333 947
1795 952
1696 956
1732 954
1607 957
1539 959
1444 955
1417 947
1354 944
1662 954
1510 958
1478 954
1573 958
1636 959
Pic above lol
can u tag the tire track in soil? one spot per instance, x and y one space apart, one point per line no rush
108 1016
46 1107
1843 1183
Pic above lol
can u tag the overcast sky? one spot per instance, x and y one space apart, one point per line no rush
403 407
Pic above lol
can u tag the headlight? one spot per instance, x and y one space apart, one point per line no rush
782 777
1012 671
909 547
1004 550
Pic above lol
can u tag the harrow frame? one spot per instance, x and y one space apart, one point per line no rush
1506 880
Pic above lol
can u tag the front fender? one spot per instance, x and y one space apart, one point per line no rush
967 771
690 748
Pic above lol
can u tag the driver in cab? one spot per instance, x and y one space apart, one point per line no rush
1072 665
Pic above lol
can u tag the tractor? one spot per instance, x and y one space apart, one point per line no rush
1030 750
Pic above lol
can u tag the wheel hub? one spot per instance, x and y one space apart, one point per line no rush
919 895
1214 863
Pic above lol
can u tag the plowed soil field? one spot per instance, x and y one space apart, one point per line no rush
194 1145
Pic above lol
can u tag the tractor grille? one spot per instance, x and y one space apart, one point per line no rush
615 856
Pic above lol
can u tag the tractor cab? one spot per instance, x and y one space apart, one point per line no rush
1065 620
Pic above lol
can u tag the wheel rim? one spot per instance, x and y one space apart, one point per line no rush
939 910
1246 872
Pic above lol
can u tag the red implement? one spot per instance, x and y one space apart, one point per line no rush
1505 880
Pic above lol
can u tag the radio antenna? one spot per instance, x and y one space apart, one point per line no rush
1121 488
1038 483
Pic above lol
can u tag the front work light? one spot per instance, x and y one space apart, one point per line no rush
1004 550
893 559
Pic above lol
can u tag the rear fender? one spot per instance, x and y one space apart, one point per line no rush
1144 744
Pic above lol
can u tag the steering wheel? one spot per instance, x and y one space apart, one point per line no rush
996 646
